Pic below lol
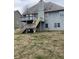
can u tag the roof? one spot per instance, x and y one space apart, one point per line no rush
48 6
17 12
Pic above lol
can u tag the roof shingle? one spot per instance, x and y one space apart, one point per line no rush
48 6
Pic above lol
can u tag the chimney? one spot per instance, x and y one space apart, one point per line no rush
41 10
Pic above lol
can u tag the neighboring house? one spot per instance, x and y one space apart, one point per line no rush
17 19
43 16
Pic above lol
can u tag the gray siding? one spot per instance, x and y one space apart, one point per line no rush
17 20
52 18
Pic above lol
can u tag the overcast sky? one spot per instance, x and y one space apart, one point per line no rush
20 4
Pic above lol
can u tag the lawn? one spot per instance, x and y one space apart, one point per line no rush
40 45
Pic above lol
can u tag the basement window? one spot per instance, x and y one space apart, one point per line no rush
46 25
57 25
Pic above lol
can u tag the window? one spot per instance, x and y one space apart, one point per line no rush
57 25
46 25
61 13
24 15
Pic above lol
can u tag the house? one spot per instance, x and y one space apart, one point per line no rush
17 19
43 16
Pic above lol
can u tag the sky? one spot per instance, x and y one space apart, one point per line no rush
21 4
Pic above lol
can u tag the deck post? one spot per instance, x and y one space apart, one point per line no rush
40 26
34 30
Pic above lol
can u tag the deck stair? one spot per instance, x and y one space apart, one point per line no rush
30 26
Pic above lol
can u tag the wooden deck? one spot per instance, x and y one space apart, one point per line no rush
30 26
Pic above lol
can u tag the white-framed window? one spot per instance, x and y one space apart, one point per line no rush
56 25
26 15
61 14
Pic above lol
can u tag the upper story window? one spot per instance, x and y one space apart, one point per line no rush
26 15
61 13
54 14
31 15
